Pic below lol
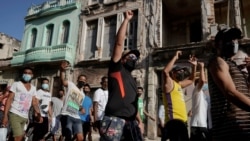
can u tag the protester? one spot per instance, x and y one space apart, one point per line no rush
121 115
71 121
229 91
100 100
44 97
22 95
175 78
87 118
200 109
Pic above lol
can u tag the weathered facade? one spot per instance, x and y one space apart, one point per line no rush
8 46
83 32
158 29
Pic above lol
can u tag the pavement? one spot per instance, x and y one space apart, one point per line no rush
95 137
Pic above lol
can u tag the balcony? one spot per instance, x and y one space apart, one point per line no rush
44 54
51 7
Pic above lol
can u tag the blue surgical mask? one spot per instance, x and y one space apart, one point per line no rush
26 77
205 87
45 86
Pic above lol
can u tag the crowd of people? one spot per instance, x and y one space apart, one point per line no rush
220 101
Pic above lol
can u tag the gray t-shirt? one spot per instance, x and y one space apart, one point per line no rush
57 106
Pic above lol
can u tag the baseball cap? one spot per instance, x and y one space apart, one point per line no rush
128 51
177 68
228 34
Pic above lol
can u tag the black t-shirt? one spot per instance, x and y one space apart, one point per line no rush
122 101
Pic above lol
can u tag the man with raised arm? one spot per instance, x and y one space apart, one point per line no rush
121 120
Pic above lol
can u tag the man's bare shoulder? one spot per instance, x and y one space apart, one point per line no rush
217 63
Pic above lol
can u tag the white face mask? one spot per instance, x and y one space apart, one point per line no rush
236 47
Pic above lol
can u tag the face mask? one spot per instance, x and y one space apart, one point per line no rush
130 65
45 86
236 48
26 77
180 76
80 84
205 87
230 49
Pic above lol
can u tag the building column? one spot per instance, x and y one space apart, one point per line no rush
207 18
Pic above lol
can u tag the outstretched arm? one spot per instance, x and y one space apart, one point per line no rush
118 49
191 79
63 76
202 78
168 84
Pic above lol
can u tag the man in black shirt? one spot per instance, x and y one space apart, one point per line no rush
121 120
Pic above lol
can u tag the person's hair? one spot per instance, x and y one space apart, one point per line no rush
81 75
87 85
28 68
45 79
61 90
140 88
103 78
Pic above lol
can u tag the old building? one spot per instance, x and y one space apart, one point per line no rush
83 32
8 46
50 36
158 29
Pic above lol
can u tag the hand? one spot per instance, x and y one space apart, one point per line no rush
129 14
201 64
5 121
141 126
190 113
64 65
192 60
152 118
82 111
178 53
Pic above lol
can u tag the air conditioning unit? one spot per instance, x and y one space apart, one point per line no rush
86 11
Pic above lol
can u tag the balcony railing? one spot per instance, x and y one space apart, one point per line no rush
48 5
44 54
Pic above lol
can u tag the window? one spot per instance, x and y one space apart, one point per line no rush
1 46
49 34
65 32
130 41
33 37
109 36
91 35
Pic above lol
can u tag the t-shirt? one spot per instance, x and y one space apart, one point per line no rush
101 97
73 100
122 87
140 108
57 106
86 104
200 102
44 98
175 106
22 99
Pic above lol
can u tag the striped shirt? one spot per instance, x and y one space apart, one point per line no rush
229 121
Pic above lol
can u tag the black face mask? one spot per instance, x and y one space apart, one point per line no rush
80 84
130 65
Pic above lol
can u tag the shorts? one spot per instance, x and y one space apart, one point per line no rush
17 124
111 128
70 126
40 129
86 127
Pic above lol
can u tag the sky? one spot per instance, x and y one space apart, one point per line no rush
12 14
